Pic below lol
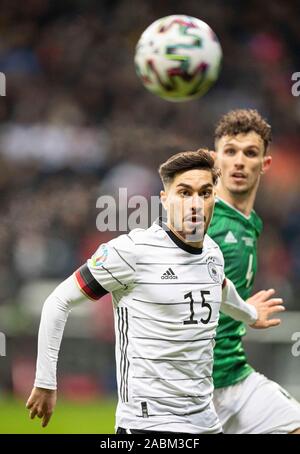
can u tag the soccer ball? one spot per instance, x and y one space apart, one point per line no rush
178 57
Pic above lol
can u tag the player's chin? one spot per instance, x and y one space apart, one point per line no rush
239 188
195 230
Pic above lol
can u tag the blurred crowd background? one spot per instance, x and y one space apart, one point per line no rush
76 123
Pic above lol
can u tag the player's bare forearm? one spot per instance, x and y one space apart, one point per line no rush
41 403
266 306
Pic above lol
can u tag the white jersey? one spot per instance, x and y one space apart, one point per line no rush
166 297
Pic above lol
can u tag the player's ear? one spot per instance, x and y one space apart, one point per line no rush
213 154
267 161
163 198
217 150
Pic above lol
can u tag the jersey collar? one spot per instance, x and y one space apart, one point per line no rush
181 244
219 199
254 220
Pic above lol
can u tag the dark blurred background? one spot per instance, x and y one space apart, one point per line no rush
76 123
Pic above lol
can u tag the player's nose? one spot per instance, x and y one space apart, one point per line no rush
197 205
239 161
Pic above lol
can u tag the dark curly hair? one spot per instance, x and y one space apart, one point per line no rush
242 121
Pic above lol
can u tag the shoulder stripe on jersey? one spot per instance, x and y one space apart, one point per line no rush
130 238
88 284
122 258
114 277
156 245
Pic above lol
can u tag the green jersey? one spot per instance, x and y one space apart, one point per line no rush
237 237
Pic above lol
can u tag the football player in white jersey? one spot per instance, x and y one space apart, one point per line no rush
167 284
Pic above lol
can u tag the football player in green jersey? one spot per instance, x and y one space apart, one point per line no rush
246 401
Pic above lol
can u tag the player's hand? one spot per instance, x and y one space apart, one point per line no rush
41 403
266 306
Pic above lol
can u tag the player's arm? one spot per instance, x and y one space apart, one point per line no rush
258 309
55 312
111 268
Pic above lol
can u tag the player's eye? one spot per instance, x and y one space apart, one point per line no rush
251 153
206 194
229 151
184 193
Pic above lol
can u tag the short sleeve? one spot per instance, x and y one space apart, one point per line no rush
111 268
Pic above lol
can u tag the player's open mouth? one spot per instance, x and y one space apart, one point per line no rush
238 176
195 219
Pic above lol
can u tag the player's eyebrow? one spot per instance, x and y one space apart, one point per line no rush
232 144
187 186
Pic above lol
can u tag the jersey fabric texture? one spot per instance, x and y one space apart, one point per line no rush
166 298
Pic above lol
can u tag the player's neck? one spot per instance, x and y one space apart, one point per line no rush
241 202
180 235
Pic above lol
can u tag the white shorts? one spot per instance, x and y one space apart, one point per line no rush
256 405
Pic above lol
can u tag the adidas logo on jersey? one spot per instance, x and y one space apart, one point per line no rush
230 238
169 274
